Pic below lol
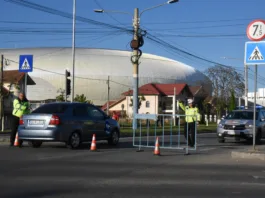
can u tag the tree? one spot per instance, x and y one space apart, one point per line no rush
60 97
232 103
140 100
225 79
82 98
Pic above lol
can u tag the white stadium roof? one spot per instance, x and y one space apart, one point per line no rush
93 66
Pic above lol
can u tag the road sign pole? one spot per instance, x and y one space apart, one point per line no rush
254 116
26 82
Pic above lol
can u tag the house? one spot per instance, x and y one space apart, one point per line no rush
156 99
13 82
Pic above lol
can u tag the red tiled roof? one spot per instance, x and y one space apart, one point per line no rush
14 76
148 89
168 89
194 89
104 107
112 103
159 89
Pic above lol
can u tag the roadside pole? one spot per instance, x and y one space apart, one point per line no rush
174 107
246 86
255 102
1 91
26 83
135 68
73 52
255 55
108 96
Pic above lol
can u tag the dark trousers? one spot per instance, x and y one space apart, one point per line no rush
190 127
14 127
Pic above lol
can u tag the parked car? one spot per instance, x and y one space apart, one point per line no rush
72 123
239 125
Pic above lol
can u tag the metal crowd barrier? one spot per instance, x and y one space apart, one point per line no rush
170 136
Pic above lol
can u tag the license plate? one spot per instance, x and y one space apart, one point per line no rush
36 122
231 133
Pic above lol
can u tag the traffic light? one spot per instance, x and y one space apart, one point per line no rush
67 83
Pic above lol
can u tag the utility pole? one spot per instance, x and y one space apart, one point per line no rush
246 86
1 90
135 68
73 52
108 96
255 103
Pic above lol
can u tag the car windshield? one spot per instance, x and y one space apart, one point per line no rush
51 108
242 115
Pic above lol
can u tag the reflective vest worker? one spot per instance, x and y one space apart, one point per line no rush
192 116
20 108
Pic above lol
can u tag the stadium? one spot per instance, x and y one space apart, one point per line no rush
93 67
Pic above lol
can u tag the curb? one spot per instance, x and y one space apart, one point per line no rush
248 155
4 139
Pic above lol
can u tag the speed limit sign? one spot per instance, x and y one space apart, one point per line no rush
256 30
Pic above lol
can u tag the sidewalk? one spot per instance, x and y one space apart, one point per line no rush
250 153
4 136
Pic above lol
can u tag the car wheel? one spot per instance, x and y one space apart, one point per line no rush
35 144
221 140
74 140
114 138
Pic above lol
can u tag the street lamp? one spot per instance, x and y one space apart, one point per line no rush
73 51
135 57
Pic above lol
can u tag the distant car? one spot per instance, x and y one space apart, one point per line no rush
72 123
239 125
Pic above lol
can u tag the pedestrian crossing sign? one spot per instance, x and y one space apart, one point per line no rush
255 53
26 63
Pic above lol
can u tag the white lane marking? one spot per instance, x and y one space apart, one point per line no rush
207 149
259 177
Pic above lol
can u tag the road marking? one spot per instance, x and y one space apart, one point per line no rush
259 177
207 149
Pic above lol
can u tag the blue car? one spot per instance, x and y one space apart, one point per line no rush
72 123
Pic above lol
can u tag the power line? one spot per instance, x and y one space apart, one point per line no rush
101 7
49 10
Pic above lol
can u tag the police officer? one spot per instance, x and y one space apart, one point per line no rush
192 117
20 108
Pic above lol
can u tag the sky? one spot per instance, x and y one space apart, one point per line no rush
212 29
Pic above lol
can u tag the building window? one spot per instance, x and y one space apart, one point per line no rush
147 104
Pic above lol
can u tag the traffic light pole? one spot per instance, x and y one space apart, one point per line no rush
65 85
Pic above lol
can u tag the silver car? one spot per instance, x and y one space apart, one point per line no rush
72 123
239 125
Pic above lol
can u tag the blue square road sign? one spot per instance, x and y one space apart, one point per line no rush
25 63
255 53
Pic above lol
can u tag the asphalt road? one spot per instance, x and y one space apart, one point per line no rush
55 171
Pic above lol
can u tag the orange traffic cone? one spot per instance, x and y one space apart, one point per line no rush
157 149
93 143
16 141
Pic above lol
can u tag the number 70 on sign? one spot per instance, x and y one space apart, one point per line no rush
256 30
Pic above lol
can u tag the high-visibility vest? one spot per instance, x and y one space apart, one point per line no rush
20 108
192 113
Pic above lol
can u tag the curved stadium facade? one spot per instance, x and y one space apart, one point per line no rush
93 67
